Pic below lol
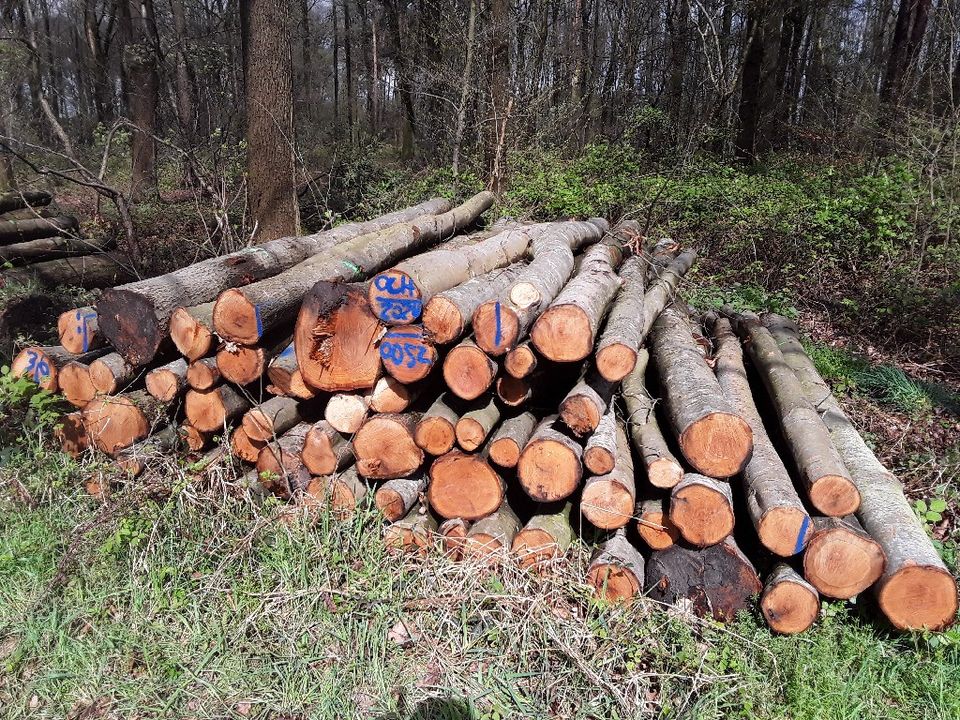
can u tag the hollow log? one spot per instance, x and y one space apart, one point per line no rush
85 271
41 364
167 382
397 497
475 424
616 569
567 329
464 485
336 337
398 295
841 559
449 314
702 509
584 406
546 536
342 492
191 329
712 436
243 314
195 440
491 537
510 438
325 450
71 434
499 324
436 431
608 500
285 376
453 536
521 361
78 330
718 580
269 419
654 525
414 534
135 317
384 446
789 603
213 409
75 384
111 373
617 348
133 460
468 371
600 452
281 468
821 471
115 422
20 231
203 374
549 467
23 199
514 392
51 248
408 353
777 513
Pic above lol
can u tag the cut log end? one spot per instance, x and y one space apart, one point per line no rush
164 383
703 515
191 337
72 434
129 321
243 365
656 530
33 363
521 361
607 504
236 318
785 530
616 361
919 597
789 607
442 318
468 371
76 385
408 353
385 448
470 434
841 563
534 547
563 333
464 486
718 445
835 495
78 330
395 298
549 470
496 328
613 582
436 435
505 452
114 423
599 460
664 473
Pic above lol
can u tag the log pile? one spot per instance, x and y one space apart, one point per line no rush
498 394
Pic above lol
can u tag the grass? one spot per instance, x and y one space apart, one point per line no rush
198 603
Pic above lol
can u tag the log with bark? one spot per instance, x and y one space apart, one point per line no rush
449 314
515 392
115 422
476 423
702 509
111 373
85 271
41 364
397 497
408 353
244 314
20 231
821 471
135 317
280 465
521 361
191 329
269 419
453 536
546 536
608 500
654 525
75 384
600 451
549 467
491 537
78 330
413 534
586 403
777 513
133 460
501 323
468 371
71 434
436 430
398 295
23 199
213 409
52 248
194 439
663 469
718 580
325 450
245 364
384 446
789 603
567 329
464 485
342 492
285 376
167 382
841 559
244 447
511 438
712 436
616 569
203 374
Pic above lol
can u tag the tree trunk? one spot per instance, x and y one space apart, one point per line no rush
521 361
325 450
167 382
616 569
773 505
87 271
191 329
272 418
608 500
51 248
751 80
789 603
397 497
385 448
463 485
140 60
490 538
115 422
436 431
600 451
468 371
209 410
476 424
904 48
404 74
75 384
21 231
510 438
111 373
546 536
713 438
271 146
466 85
549 467
449 314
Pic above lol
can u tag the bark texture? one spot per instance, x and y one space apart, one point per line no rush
608 500
449 314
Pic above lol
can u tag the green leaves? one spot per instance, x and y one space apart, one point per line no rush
931 512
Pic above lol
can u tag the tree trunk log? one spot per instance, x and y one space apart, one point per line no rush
436 431
476 424
616 569
468 371
347 411
52 248
608 501
449 314
167 382
546 536
464 485
115 422
285 376
408 353
621 339
20 231
789 603
702 509
521 361
453 536
194 439
584 406
490 538
244 314
203 374
510 438
23 199
397 497
385 449
600 452
841 559
281 468
191 329
246 448
111 373
654 526
133 460
549 467
713 438
210 410
778 515
663 470
413 535
86 271
40 364
342 492
717 581
135 316
243 365
272 418
325 450
78 330
75 384
500 324
823 475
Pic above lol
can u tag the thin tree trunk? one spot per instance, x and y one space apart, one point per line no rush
466 87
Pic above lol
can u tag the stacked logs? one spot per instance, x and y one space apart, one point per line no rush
505 393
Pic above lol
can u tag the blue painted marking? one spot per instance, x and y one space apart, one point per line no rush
256 311
802 535
415 335
496 314
287 351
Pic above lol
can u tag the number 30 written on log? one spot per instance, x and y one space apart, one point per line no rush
37 368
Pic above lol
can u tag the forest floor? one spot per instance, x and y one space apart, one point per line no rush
192 600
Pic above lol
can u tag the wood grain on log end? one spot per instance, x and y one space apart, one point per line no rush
166 382
75 384
78 330
203 374
435 434
191 337
464 485
835 495
550 467
702 508
408 353
34 363
919 597
236 318
414 534
241 365
468 371
842 562
325 450
718 445
614 362
785 530
196 440
521 361
114 422
385 449
453 534
496 328
347 411
664 473
209 410
656 529
563 333
789 604
443 319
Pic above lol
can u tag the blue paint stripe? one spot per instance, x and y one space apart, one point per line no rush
803 534
496 314
391 335
256 311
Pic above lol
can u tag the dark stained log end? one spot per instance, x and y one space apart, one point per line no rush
718 445
129 321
